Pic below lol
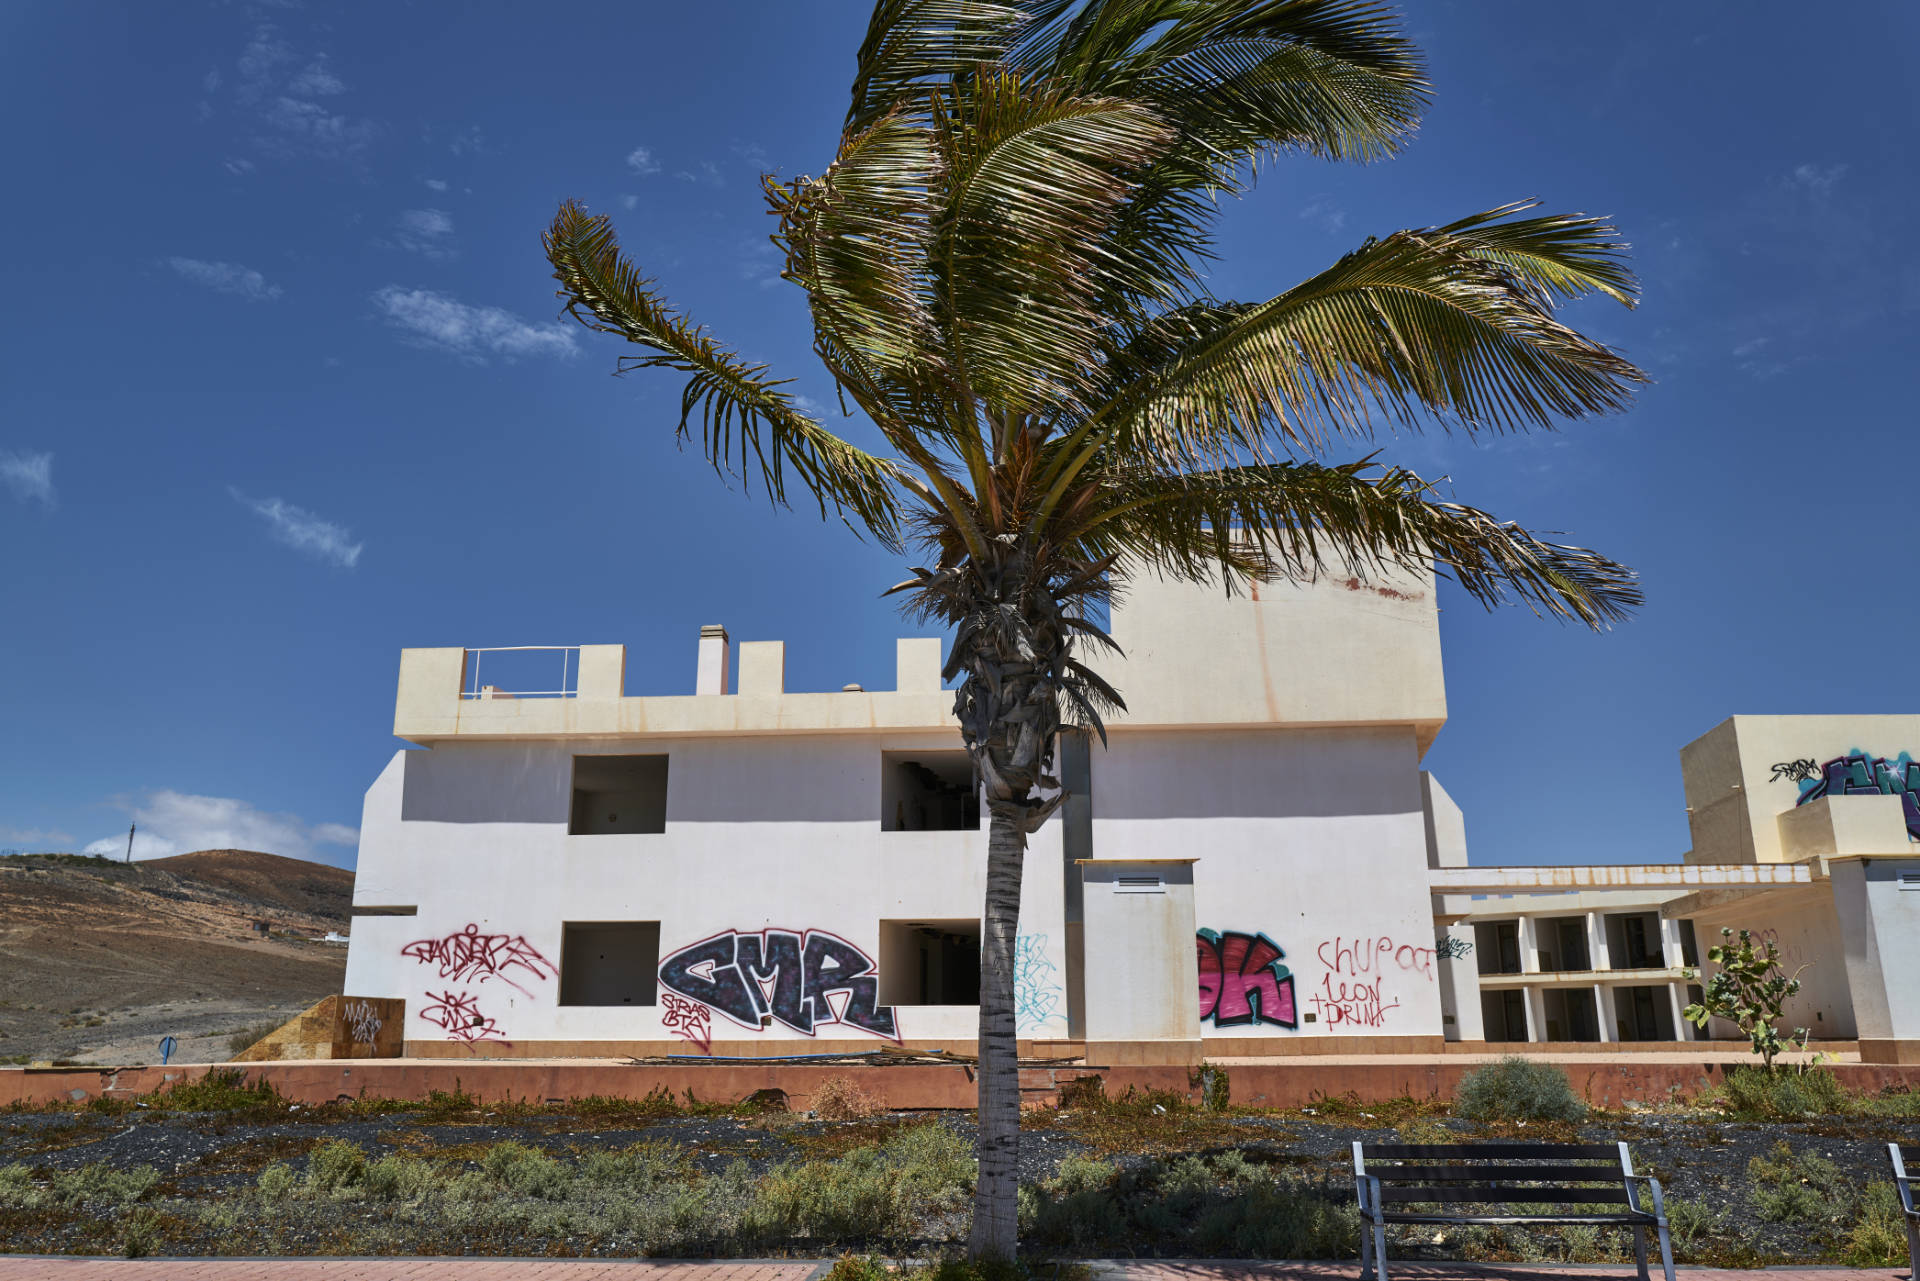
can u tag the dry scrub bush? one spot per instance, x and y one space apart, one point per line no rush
839 1099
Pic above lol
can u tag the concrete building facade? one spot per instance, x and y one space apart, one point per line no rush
748 870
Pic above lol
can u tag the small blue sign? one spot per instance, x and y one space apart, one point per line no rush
167 1045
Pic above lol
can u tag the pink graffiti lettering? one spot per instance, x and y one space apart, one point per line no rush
1242 980
1365 956
1356 1004
470 954
689 1020
459 1014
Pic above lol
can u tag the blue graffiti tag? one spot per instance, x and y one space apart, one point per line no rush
1036 993
1858 774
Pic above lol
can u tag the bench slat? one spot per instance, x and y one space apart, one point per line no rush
1488 1172
1623 1216
1912 1157
1504 1194
1491 1151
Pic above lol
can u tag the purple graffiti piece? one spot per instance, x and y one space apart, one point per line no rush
1242 981
835 965
723 986
1860 774
730 971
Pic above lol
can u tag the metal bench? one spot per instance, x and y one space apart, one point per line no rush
1903 1183
1502 1183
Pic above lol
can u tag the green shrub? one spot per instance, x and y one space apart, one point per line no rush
1878 1233
18 1191
100 1184
644 1165
139 1233
1215 1086
1693 1223
527 1171
1790 1187
221 1090
335 1167
1517 1089
398 1178
1757 1094
276 1183
859 1267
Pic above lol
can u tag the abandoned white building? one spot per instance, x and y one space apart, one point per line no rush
1254 864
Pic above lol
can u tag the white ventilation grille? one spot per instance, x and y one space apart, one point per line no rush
1138 885
1909 880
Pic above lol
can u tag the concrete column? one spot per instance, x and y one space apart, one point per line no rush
1536 1013
711 675
1670 949
1603 1010
1529 947
1880 922
1597 954
602 674
1677 1000
763 668
1460 989
916 665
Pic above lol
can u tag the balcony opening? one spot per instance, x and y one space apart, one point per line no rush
618 795
928 792
1563 945
1643 1014
1503 1015
1496 948
610 963
1635 942
930 962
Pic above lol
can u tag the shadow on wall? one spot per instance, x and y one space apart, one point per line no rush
800 779
1329 773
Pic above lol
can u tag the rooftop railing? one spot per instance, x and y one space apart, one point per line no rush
526 668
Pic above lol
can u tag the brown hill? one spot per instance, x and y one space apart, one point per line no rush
268 881
103 958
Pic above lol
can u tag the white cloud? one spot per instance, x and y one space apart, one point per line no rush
641 161
303 531
225 278
1323 213
709 173
472 333
29 476
436 184
428 232
172 822
1815 178
282 87
471 142
629 202
238 165
316 81
38 839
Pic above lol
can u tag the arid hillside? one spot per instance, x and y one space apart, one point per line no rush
104 958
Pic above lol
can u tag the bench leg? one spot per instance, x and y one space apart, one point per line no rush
1666 1252
1640 1252
1380 1253
1913 1250
1366 1249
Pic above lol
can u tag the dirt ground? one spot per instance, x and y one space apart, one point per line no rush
103 959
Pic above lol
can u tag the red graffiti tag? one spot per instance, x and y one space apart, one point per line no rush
689 1020
1242 980
459 1014
1368 955
1357 1003
470 954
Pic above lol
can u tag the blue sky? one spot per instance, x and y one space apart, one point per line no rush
284 389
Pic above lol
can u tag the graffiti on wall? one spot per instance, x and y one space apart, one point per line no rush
469 954
1242 980
803 980
1036 989
1450 948
688 1020
1795 771
1859 774
362 1021
458 1014
1351 992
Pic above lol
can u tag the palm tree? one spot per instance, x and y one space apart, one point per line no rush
1004 264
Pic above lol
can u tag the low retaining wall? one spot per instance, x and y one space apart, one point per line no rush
915 1086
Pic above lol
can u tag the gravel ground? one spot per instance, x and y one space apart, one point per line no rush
1699 1159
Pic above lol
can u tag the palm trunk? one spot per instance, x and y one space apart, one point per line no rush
996 1194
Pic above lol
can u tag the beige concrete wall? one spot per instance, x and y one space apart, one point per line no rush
1803 925
1746 771
1142 975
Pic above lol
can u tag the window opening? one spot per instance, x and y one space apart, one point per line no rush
618 795
928 792
610 963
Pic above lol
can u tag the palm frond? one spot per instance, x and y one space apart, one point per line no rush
736 404
1458 325
915 44
1301 519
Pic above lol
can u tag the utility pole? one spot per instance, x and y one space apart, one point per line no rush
130 828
